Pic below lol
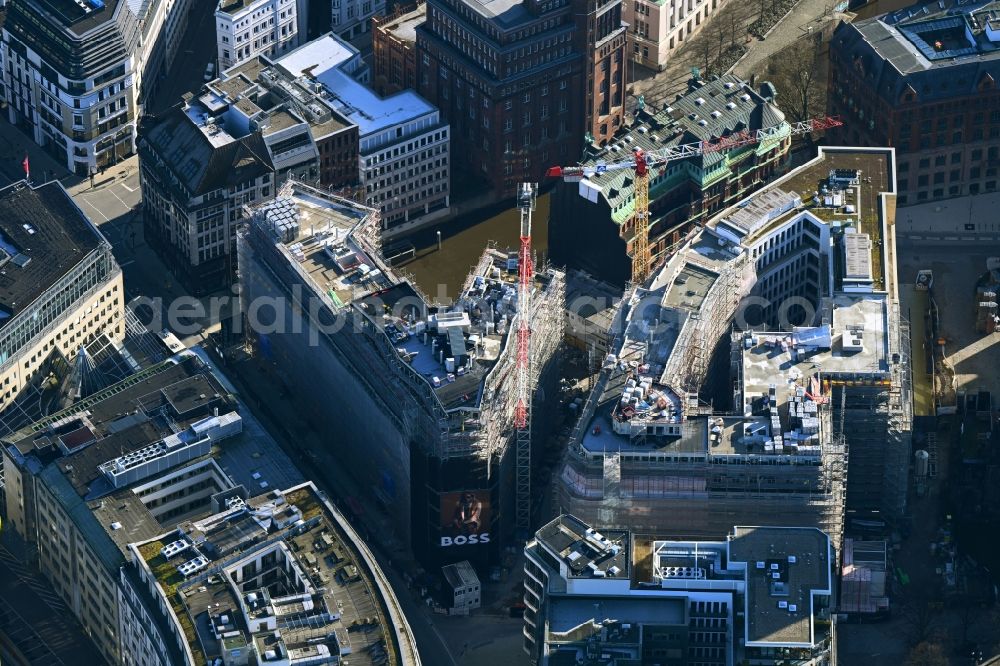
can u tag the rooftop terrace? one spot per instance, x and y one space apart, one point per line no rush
326 602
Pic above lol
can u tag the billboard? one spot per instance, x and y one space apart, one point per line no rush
465 518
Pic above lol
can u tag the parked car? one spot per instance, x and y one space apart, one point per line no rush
210 71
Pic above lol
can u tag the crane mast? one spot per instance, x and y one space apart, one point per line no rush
522 410
642 260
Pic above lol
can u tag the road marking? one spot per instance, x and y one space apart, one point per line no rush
127 207
126 263
95 208
130 189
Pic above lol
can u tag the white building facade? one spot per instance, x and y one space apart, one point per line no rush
80 96
660 27
404 145
245 29
351 18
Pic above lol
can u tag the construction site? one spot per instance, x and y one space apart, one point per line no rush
795 286
429 406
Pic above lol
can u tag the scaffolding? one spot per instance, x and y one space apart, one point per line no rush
687 367
876 418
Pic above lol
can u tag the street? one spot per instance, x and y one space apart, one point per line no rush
188 70
35 619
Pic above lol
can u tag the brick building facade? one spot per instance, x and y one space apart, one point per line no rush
926 85
589 225
521 83
394 49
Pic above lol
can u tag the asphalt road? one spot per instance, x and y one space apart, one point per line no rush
199 49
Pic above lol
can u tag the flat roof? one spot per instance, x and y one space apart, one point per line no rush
341 607
404 26
43 236
855 341
233 6
79 17
769 362
585 550
126 417
587 613
460 574
773 579
317 56
322 59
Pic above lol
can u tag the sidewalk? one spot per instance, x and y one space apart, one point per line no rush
808 17
13 145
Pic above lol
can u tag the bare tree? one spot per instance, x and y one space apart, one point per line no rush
732 27
799 76
921 618
927 654
706 52
719 30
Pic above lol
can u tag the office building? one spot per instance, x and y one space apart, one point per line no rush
199 164
245 29
521 83
351 19
763 595
124 463
923 79
394 49
804 272
299 126
661 27
404 157
171 452
589 226
280 578
76 74
62 287
429 429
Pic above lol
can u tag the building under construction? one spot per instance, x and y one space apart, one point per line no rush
589 227
419 400
797 283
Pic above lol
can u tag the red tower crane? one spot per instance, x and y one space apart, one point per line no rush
641 161
522 410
